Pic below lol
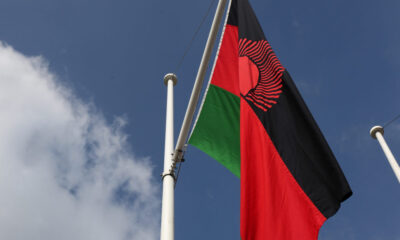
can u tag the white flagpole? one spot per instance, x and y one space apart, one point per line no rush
171 157
194 98
377 133
168 176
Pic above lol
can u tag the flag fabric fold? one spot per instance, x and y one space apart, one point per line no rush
254 122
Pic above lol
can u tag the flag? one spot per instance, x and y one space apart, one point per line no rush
254 121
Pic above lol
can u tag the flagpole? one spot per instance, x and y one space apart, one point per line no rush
377 133
168 176
194 98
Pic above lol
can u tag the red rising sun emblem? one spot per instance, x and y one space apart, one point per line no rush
260 73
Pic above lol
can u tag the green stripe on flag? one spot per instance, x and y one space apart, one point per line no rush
217 129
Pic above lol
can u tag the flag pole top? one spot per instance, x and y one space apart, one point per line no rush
374 130
170 76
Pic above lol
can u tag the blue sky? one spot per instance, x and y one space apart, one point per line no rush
344 57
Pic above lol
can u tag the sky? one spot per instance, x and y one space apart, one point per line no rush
82 114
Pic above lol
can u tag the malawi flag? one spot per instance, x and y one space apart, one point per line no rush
254 121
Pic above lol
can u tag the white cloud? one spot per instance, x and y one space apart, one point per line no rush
65 173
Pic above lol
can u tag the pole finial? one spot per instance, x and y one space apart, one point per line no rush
374 130
170 76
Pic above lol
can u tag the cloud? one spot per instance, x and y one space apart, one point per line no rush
65 173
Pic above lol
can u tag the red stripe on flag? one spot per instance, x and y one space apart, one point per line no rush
225 73
273 205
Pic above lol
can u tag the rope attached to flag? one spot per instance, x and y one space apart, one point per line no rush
194 36
391 121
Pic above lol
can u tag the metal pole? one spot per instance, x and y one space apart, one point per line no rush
168 176
183 135
377 133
